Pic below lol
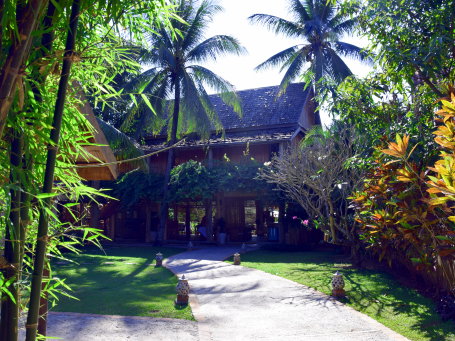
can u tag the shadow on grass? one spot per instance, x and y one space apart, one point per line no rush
128 285
374 293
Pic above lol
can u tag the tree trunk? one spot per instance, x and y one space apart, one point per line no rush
332 221
170 163
44 305
43 224
27 18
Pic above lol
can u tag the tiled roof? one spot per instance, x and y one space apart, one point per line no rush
266 116
262 107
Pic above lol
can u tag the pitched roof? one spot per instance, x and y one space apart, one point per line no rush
266 117
263 107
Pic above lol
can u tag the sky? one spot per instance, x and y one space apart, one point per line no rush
259 42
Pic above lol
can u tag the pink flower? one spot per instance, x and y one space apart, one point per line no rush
305 222
294 217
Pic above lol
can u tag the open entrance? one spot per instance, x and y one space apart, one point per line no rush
188 221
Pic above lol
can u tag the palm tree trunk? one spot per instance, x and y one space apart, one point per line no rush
43 224
317 116
27 18
10 308
170 162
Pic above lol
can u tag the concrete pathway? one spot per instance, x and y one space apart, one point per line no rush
234 303
91 327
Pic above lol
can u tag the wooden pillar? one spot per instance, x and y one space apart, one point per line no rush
209 205
188 221
281 212
260 218
209 219
281 149
148 222
94 221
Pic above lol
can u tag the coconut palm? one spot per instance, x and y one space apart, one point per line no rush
175 74
320 25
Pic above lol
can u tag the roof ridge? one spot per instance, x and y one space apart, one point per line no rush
260 88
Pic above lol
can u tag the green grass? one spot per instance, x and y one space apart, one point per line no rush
373 293
123 282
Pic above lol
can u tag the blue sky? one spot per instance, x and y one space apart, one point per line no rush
260 43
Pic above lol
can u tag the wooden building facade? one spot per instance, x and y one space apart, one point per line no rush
268 125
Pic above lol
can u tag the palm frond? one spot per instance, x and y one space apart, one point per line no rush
277 25
195 111
293 70
141 118
198 23
352 51
123 146
225 89
299 10
214 47
343 27
337 68
279 58
326 10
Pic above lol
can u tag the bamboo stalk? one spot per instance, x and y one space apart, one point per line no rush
10 308
43 224
27 18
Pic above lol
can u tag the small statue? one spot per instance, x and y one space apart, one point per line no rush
338 285
158 260
183 290
236 258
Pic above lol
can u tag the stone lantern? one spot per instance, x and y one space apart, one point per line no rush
158 260
338 285
236 258
183 290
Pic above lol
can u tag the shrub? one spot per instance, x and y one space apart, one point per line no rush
404 211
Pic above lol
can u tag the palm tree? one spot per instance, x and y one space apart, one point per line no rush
175 74
321 25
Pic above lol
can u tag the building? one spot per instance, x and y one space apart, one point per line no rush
269 124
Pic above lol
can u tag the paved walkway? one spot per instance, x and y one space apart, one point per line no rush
91 327
233 303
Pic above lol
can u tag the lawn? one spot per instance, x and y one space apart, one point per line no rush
124 281
373 293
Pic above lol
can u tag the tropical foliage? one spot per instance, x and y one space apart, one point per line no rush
52 52
321 25
195 181
175 73
415 40
403 211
